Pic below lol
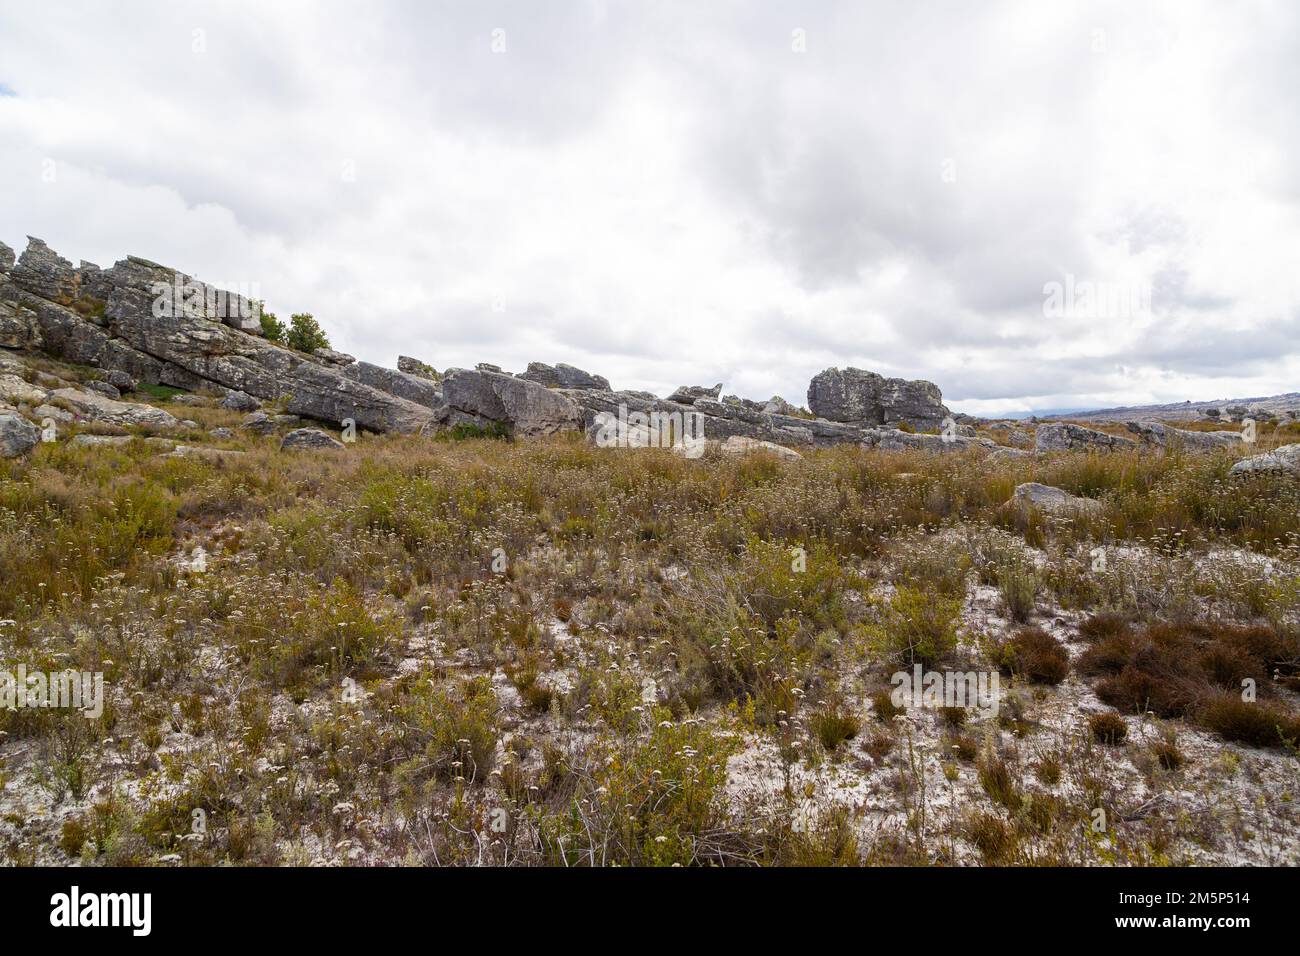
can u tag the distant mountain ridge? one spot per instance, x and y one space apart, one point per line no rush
1277 405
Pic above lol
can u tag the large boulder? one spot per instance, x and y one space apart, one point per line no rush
101 408
739 445
859 396
17 435
237 401
309 438
1054 501
1064 436
529 409
563 376
1166 436
103 388
1284 460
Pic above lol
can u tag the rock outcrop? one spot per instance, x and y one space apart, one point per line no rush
101 408
160 326
690 394
484 397
1165 436
17 435
866 398
1063 436
563 376
1285 460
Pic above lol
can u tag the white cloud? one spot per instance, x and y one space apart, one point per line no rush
670 193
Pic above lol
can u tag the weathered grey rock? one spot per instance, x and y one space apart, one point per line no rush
413 366
308 438
777 405
856 395
6 258
563 376
237 401
331 357
1064 436
215 455
54 413
43 272
18 436
188 346
104 388
18 327
740 445
1012 435
530 409
892 439
100 408
222 434
1055 501
259 423
1285 459
1167 437
120 380
689 394
116 441
16 390
413 388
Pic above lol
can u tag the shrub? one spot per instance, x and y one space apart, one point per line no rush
1108 728
1257 723
1035 655
833 725
272 328
996 779
305 333
915 628
991 835
882 705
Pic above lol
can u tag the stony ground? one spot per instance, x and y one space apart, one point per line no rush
423 651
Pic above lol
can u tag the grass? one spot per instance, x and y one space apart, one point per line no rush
583 654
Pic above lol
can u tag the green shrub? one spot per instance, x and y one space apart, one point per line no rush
915 627
305 333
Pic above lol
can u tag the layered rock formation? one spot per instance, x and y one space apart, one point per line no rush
142 322
162 327
868 399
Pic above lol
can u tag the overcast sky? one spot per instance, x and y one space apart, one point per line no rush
684 193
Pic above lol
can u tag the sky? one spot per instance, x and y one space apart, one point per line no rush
1034 205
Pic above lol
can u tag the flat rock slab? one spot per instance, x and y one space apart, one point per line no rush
101 408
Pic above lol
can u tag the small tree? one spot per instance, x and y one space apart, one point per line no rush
272 328
305 333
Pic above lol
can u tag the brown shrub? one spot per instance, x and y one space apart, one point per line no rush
1108 728
1258 723
1035 655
